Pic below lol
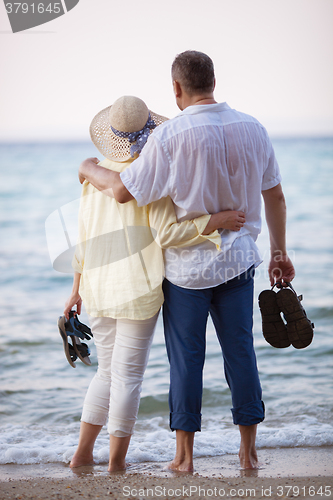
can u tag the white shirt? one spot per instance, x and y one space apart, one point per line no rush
208 158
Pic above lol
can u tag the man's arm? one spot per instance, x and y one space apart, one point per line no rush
280 266
171 233
104 180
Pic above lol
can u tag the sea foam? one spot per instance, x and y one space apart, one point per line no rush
153 441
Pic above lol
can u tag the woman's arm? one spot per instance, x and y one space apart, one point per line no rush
170 232
78 261
74 298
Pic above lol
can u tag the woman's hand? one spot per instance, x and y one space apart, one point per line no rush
73 300
233 220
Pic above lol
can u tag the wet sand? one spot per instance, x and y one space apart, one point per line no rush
284 473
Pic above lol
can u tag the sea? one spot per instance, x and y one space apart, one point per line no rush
41 395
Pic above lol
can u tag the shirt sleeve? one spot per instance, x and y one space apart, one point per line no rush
80 247
148 178
272 176
168 232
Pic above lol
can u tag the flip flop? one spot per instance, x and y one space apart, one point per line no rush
299 327
273 327
68 348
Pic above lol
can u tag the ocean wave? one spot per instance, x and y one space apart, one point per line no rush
42 395
153 441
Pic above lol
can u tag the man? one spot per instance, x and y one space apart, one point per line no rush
209 158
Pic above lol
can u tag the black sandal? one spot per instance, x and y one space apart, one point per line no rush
273 327
68 348
81 349
76 330
75 327
299 327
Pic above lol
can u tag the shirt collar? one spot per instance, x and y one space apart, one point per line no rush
204 108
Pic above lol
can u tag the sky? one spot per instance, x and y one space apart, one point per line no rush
273 59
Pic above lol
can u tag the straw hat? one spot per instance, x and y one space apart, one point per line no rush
120 131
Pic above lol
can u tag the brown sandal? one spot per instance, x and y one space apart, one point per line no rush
299 327
273 327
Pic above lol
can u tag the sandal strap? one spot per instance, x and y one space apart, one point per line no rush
74 327
83 350
84 329
72 353
279 285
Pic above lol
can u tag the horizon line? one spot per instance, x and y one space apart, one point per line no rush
274 136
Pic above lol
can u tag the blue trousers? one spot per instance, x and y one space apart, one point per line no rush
185 313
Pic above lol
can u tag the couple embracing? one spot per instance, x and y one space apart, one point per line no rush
156 189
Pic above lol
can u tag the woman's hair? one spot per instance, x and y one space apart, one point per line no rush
194 71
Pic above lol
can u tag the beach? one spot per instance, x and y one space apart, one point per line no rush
42 395
284 473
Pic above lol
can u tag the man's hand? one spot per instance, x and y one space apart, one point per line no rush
105 180
228 219
280 269
85 165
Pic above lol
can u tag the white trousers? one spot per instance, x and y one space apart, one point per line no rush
123 348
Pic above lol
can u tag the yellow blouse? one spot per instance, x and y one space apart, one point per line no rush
119 254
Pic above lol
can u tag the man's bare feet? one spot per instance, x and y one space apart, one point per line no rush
183 461
247 451
80 460
248 460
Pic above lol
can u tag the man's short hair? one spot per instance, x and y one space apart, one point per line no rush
194 71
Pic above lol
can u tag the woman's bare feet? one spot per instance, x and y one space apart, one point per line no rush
118 450
118 466
80 460
182 466
84 452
